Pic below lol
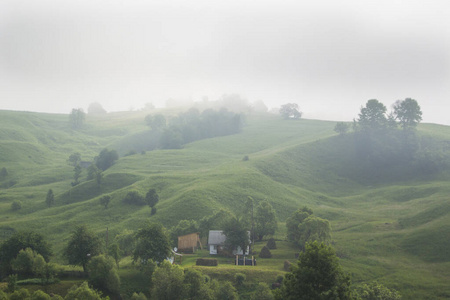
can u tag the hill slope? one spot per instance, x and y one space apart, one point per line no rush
392 226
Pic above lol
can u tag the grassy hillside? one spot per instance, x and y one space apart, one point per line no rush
390 224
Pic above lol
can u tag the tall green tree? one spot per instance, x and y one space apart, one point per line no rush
106 159
290 111
317 275
76 174
314 229
103 274
168 282
152 243
236 235
265 220
408 113
83 244
294 221
74 159
50 199
373 116
77 117
152 197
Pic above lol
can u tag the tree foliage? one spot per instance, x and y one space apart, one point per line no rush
10 248
156 122
168 282
152 243
83 244
96 108
290 111
236 235
106 159
293 222
77 117
265 220
408 113
134 198
84 292
341 128
317 275
50 199
152 197
373 116
126 242
262 292
214 222
28 262
183 227
74 159
377 291
103 274
193 125
16 205
105 201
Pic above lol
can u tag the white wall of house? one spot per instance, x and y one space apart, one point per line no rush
212 249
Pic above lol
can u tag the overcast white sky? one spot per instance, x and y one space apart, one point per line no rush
330 57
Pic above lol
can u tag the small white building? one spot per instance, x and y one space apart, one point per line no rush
216 242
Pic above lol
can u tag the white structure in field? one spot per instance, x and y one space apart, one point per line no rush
216 242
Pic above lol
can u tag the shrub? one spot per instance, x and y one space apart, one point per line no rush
287 265
206 262
139 296
245 158
265 253
16 205
40 295
134 198
271 244
239 278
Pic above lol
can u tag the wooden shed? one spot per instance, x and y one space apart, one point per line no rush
189 242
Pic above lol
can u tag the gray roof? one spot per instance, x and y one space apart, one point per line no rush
216 237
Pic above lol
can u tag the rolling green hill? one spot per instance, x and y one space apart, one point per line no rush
390 223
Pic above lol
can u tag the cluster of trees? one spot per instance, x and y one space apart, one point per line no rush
194 125
262 221
388 139
77 117
102 162
150 199
290 111
303 227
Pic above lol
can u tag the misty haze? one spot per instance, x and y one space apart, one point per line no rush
224 150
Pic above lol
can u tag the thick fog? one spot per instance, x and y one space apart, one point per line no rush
330 57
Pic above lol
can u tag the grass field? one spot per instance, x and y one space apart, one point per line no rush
392 225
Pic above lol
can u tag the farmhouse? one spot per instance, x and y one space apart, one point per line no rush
216 242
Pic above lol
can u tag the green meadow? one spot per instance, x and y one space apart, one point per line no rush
390 223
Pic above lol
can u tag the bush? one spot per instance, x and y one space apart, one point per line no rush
134 198
239 278
16 205
265 253
40 295
103 274
206 262
287 265
271 244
